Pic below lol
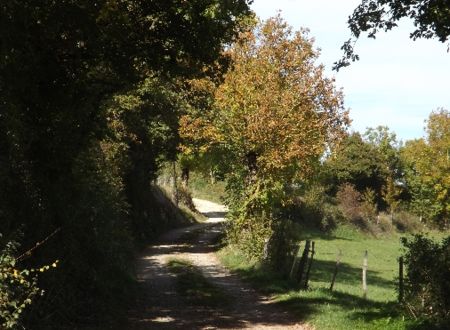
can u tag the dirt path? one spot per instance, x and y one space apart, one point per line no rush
160 307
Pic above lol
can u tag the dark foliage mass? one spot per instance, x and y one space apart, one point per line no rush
87 113
428 278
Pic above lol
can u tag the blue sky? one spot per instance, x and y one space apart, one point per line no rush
397 81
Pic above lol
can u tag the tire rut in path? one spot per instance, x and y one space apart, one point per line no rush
160 307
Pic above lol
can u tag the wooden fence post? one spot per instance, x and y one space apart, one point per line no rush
175 186
400 279
338 261
302 263
309 265
294 267
364 275
266 249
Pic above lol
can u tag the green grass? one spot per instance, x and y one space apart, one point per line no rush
344 308
202 188
193 286
193 217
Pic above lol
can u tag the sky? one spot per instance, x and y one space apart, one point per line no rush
396 83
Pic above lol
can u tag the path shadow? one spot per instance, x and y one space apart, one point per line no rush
158 307
215 215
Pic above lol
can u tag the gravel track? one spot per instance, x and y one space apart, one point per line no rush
159 305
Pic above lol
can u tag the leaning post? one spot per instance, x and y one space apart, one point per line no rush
338 261
309 264
400 279
364 275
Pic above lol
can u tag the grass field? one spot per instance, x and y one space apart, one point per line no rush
344 308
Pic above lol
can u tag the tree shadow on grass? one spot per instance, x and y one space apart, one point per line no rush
271 282
306 304
357 307
322 271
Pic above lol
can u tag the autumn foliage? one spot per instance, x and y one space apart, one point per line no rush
273 117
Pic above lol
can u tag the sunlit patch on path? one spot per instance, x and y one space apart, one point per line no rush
161 306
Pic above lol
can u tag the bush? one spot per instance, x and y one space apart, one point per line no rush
280 248
406 222
349 200
384 222
360 209
368 205
427 283
250 234
314 209
353 206
18 287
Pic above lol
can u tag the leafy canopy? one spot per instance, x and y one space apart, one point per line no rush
431 20
273 117
428 168
275 107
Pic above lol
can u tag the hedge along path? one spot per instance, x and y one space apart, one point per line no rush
160 306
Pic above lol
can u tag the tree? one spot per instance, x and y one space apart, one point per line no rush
143 126
391 194
357 162
371 161
275 111
273 117
428 169
387 146
65 66
431 20
196 150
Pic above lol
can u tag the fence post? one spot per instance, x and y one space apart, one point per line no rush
294 267
309 265
400 279
266 250
302 263
175 186
338 261
364 275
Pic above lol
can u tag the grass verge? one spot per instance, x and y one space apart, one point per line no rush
344 308
193 286
202 188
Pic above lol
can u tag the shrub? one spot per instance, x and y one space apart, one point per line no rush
427 282
315 209
368 205
349 200
384 222
18 287
280 248
360 209
406 222
250 234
